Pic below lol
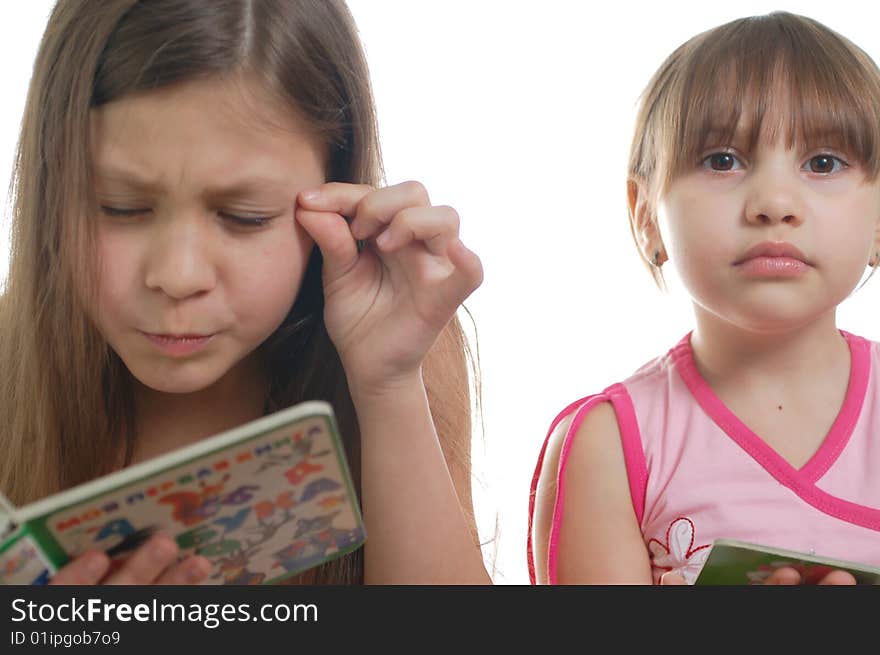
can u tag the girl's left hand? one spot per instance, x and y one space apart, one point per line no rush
784 575
385 305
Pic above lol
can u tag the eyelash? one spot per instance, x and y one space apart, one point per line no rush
242 221
704 163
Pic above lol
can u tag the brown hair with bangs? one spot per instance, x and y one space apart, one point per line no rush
65 397
758 77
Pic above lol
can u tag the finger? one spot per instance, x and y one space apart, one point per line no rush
672 578
464 276
436 227
838 578
192 570
87 569
146 563
783 576
468 273
335 197
333 236
370 209
378 209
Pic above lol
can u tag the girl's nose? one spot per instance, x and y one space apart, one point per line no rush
179 263
774 198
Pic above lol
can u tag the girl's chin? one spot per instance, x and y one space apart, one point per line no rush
768 311
195 375
772 321
175 387
176 382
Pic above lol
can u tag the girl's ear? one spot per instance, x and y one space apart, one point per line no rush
874 261
643 221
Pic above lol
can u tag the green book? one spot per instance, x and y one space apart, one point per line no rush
732 562
264 501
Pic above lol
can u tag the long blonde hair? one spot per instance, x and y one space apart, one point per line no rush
740 72
65 397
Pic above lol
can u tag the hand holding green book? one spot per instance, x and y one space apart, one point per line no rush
732 562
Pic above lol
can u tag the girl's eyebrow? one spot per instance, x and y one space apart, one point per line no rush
238 187
110 173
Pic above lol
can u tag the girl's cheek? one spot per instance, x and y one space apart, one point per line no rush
274 270
115 266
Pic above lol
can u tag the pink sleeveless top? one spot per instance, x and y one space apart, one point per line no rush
697 473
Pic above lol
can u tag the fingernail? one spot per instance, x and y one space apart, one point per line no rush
311 194
198 569
162 550
383 239
95 564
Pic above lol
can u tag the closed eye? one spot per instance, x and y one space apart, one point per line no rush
115 211
247 221
240 221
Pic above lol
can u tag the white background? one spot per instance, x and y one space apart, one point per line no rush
519 115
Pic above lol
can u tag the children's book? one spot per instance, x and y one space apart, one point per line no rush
263 502
732 562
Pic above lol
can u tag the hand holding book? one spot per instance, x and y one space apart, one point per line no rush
732 562
253 505
154 562
784 575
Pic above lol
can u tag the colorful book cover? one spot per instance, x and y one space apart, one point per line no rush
263 502
732 562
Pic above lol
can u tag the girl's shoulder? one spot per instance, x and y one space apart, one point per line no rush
592 451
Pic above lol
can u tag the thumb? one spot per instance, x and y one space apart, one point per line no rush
838 578
333 236
784 575
672 578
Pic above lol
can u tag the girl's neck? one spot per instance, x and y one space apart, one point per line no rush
166 421
724 351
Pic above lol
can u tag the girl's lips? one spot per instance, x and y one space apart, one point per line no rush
773 259
773 249
179 345
773 267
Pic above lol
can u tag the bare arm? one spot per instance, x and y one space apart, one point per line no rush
387 306
599 540
408 494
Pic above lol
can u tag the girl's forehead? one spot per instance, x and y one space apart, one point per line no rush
212 122
775 78
771 109
800 85
239 100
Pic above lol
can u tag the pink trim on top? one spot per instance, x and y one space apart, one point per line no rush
800 481
534 487
634 457
633 451
848 416
556 522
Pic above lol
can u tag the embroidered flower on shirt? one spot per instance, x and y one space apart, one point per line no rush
678 554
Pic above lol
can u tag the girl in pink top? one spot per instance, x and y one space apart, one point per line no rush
754 171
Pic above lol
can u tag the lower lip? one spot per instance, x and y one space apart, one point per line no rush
179 346
773 267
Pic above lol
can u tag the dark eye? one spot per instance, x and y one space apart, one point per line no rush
721 161
825 164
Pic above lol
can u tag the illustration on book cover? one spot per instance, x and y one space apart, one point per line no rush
261 511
